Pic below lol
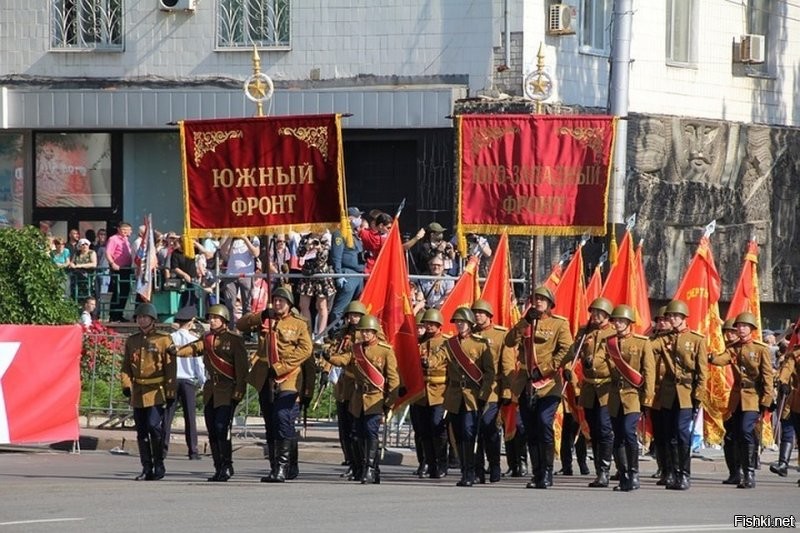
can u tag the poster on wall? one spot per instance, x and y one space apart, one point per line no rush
11 180
73 170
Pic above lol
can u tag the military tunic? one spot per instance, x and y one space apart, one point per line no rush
503 359
461 389
435 377
752 375
635 350
684 357
596 364
552 340
219 388
367 399
788 375
148 370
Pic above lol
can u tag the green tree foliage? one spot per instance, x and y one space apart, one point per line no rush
31 286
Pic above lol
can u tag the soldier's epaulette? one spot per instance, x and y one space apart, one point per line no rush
643 337
447 336
694 332
760 343
234 333
560 317
385 344
478 336
499 328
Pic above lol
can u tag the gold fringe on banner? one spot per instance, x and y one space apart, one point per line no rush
344 222
188 246
553 231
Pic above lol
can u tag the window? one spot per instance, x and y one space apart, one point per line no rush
73 170
758 23
682 32
244 23
596 26
86 25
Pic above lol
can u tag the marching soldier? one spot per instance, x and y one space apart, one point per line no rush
657 418
470 379
542 341
633 388
225 358
345 386
596 386
732 461
148 379
788 383
427 414
504 361
682 389
377 386
751 393
284 344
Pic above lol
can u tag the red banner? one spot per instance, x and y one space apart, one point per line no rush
40 383
265 174
534 174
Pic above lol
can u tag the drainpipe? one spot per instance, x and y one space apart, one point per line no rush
618 105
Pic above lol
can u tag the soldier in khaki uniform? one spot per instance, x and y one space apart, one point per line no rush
504 361
148 379
470 379
632 391
225 358
682 389
731 337
788 384
596 386
377 386
284 344
660 425
751 393
427 413
342 343
542 341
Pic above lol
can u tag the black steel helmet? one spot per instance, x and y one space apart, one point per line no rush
465 314
544 292
484 306
602 304
746 318
283 292
368 322
355 307
220 311
433 315
624 311
678 307
147 309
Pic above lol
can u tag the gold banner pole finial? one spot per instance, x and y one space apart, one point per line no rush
258 86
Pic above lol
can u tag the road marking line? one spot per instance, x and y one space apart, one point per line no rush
41 521
645 529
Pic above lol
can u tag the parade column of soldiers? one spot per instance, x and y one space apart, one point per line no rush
788 402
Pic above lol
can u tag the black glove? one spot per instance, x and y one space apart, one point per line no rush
481 405
268 314
695 407
532 314
567 374
305 401
234 404
424 362
536 375
126 392
170 403
645 410
402 391
785 389
172 350
323 378
772 407
271 373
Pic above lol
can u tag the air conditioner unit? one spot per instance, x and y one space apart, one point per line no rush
751 49
177 5
562 19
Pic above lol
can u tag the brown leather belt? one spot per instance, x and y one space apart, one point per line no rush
436 380
149 381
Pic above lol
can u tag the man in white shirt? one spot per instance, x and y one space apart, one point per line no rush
89 305
240 254
191 375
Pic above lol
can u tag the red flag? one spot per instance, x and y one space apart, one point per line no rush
700 289
595 286
745 296
554 278
464 293
387 296
619 286
39 395
570 294
497 288
641 303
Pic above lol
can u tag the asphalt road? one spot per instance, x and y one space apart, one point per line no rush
94 491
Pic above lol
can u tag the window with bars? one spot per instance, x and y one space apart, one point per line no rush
86 25
682 32
245 23
596 26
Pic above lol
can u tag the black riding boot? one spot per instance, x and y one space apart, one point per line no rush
282 452
512 459
146 458
215 455
633 465
479 463
674 472
347 446
522 450
603 465
732 461
683 472
580 455
667 470
493 458
536 468
621 459
466 452
546 456
273 461
784 455
358 460
565 456
430 458
370 463
294 467
440 444
749 452
159 471
225 464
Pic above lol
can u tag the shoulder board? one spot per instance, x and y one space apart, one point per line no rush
233 333
478 336
642 337
385 345
500 328
560 317
759 343
297 314
693 332
159 333
447 336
